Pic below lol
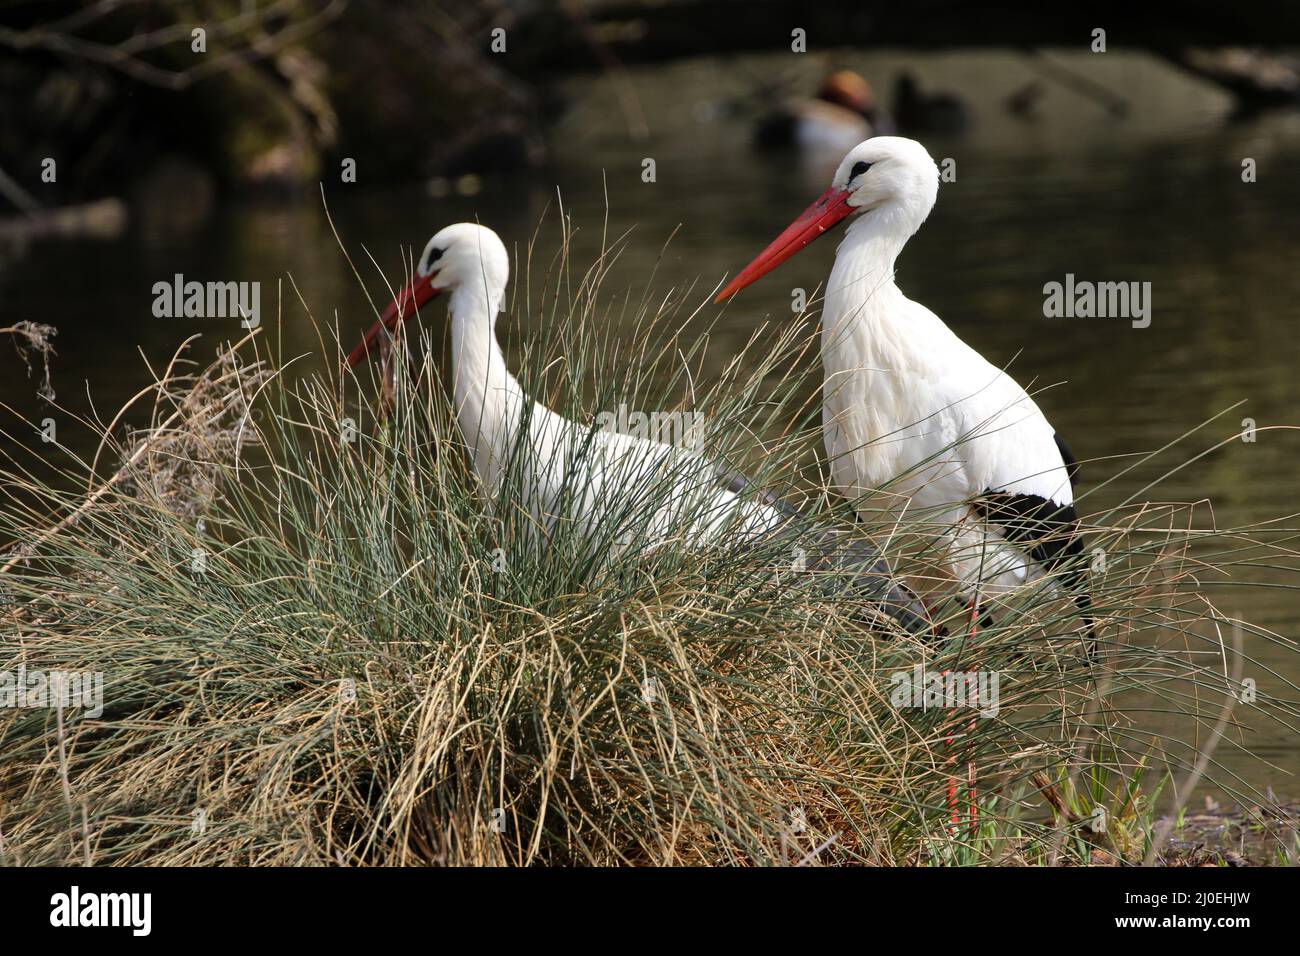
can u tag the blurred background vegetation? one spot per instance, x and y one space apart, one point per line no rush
282 90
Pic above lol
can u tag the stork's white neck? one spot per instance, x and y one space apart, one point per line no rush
489 399
876 344
862 300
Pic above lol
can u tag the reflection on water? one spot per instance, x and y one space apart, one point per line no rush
1155 198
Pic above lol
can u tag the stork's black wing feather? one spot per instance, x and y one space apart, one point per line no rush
1049 532
1067 456
1043 528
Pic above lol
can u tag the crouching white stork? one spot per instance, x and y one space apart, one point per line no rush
648 492
908 404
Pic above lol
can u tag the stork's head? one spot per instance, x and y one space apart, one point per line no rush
457 256
888 178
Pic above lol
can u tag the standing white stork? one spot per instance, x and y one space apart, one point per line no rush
908 403
598 479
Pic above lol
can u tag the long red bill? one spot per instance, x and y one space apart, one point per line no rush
828 209
399 310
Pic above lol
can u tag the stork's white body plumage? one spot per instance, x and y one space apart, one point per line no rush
566 472
911 408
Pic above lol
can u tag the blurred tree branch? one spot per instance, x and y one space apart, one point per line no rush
250 35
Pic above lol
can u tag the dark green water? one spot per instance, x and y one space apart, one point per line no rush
1156 197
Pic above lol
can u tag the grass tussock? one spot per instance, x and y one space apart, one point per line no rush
322 642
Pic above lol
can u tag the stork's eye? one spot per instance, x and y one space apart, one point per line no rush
858 169
434 255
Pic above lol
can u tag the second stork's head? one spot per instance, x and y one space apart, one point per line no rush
461 257
891 179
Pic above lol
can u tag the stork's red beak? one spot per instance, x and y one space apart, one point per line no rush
399 310
829 208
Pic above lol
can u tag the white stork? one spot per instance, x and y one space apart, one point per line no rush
568 472
908 404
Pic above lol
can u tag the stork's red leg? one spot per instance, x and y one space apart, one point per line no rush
970 731
974 794
954 802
